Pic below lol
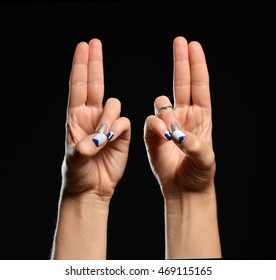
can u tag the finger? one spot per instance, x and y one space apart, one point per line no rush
156 126
199 151
199 76
111 112
78 76
163 109
89 146
181 79
95 86
119 128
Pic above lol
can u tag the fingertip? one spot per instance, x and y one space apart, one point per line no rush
160 97
95 42
82 45
195 46
99 139
167 135
81 53
178 135
154 125
198 150
148 121
120 128
149 118
127 121
114 101
179 40
110 135
192 144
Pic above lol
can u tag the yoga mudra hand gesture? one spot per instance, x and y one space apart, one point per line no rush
178 140
96 152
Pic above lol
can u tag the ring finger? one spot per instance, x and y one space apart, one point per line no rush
111 112
165 111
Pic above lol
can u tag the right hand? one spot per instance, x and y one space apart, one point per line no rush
194 169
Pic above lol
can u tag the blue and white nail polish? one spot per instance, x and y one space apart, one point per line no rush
168 135
178 135
99 139
110 135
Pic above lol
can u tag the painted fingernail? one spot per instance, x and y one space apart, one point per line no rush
102 128
110 135
184 151
99 139
179 135
168 135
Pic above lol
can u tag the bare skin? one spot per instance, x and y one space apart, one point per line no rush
94 162
90 173
186 170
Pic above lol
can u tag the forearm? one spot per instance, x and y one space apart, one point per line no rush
192 226
82 228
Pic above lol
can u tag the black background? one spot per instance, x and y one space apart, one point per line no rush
37 46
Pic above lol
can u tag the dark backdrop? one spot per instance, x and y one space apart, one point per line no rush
37 46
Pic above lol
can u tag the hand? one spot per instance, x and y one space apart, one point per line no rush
94 162
187 163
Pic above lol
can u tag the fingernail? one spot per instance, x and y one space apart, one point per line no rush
179 135
168 135
110 135
102 128
184 151
99 139
174 127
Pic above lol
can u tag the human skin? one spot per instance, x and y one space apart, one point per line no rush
90 173
186 170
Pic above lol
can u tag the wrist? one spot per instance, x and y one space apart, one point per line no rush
191 225
88 201
191 200
82 228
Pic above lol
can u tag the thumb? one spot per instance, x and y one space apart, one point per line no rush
88 146
199 151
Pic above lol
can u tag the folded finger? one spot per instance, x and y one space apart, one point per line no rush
119 128
111 112
165 111
156 126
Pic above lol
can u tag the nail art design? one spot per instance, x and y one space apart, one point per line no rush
102 128
174 127
179 135
168 135
99 139
184 151
110 135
